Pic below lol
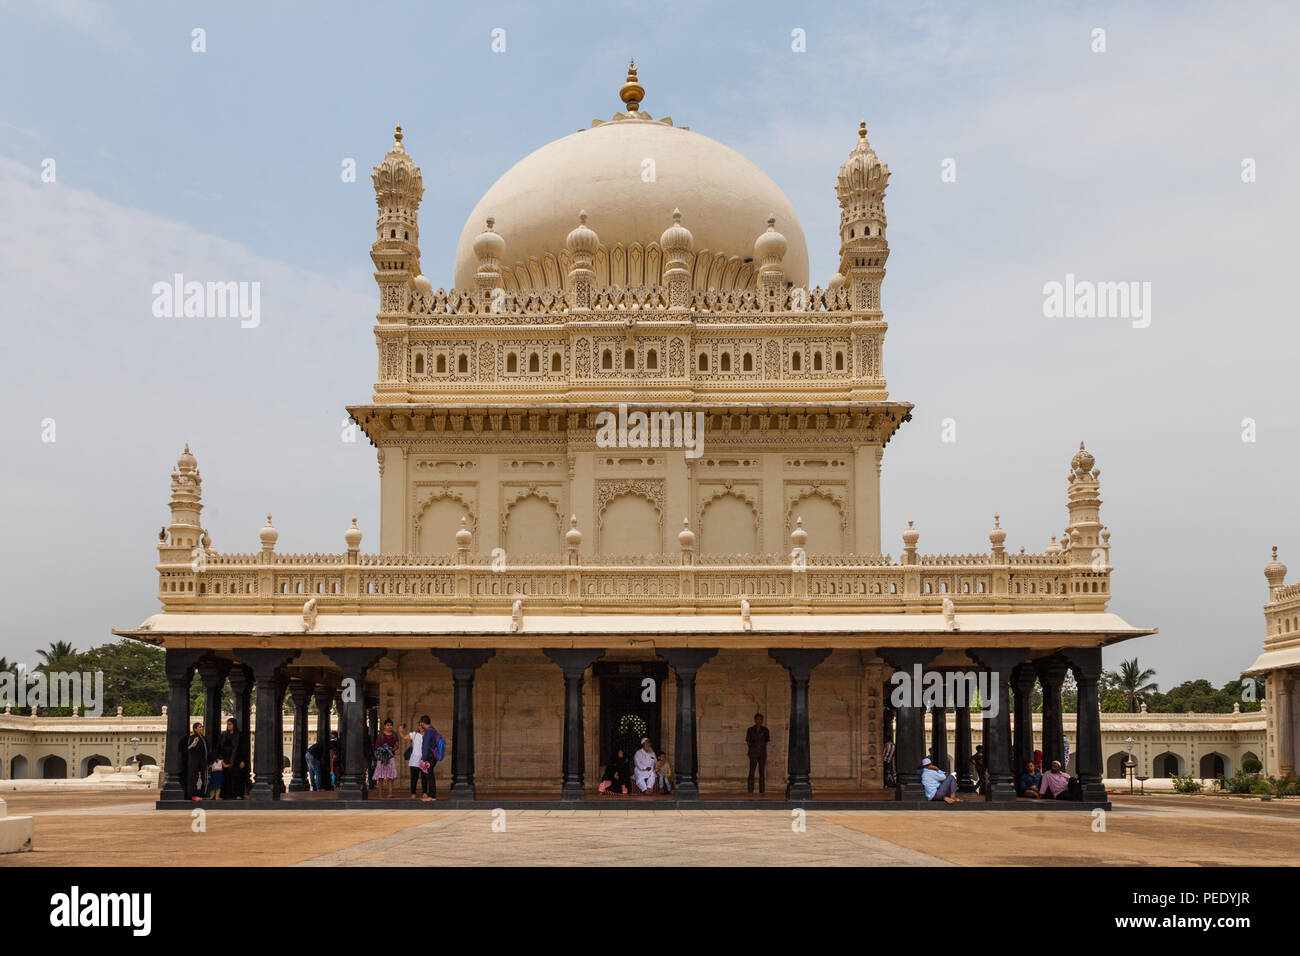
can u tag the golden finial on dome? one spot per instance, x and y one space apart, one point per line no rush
632 92
398 135
862 131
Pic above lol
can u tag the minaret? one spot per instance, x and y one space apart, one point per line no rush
396 251
583 245
769 250
863 247
676 242
184 532
489 249
1085 527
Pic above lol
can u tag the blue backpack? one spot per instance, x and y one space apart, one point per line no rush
439 746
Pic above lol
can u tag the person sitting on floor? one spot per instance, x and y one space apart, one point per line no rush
938 785
1055 784
1030 781
615 778
644 771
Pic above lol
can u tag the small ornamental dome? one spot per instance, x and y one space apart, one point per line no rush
463 536
798 537
677 236
186 462
836 283
573 537
423 284
1052 548
268 534
489 244
1275 571
911 536
1082 461
582 240
770 246
997 537
353 535
686 537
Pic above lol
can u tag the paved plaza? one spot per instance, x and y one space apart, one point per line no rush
1165 830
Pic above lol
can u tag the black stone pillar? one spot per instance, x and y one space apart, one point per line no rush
905 694
299 693
997 722
241 687
265 664
1086 664
324 696
179 667
353 662
372 737
463 664
341 761
212 672
800 663
965 777
686 663
1022 681
939 736
1051 671
281 687
573 663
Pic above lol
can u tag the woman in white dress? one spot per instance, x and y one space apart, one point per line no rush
644 773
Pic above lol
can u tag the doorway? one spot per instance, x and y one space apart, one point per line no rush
631 693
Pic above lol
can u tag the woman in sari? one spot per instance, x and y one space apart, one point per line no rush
386 761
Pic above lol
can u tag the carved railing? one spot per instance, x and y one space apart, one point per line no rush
629 298
574 583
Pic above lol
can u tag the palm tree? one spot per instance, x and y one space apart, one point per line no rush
1134 682
57 651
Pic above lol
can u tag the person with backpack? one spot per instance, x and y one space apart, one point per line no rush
435 747
414 757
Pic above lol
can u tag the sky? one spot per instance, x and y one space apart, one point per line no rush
1154 152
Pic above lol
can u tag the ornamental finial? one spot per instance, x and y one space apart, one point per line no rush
398 135
862 131
632 91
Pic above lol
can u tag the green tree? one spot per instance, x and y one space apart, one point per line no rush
1114 702
1133 681
57 657
134 677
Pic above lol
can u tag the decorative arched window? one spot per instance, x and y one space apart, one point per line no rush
555 362
817 361
512 362
652 359
704 362
629 359
462 364
796 361
725 364
839 361
607 359
419 363
442 365
747 363
534 363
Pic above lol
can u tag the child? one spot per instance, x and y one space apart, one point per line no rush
664 773
215 775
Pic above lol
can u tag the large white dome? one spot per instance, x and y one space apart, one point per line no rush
724 198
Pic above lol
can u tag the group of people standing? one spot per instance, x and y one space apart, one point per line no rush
425 747
217 774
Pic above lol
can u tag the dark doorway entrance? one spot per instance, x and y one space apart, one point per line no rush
625 714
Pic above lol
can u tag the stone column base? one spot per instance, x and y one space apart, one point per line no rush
15 832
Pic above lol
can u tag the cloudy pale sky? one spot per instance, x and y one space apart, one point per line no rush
1122 165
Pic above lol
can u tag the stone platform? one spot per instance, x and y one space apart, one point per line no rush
15 832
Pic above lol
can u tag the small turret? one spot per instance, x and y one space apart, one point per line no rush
860 187
769 250
399 187
1274 573
676 243
185 531
583 245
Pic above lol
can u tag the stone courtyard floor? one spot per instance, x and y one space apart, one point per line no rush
124 829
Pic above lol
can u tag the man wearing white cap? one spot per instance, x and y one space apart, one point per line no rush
938 785
645 766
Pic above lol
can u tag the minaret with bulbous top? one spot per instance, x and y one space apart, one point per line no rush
184 532
860 187
399 187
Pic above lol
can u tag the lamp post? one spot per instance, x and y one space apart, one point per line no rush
1130 764
135 752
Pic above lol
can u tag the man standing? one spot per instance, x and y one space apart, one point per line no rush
430 761
196 763
315 757
756 741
